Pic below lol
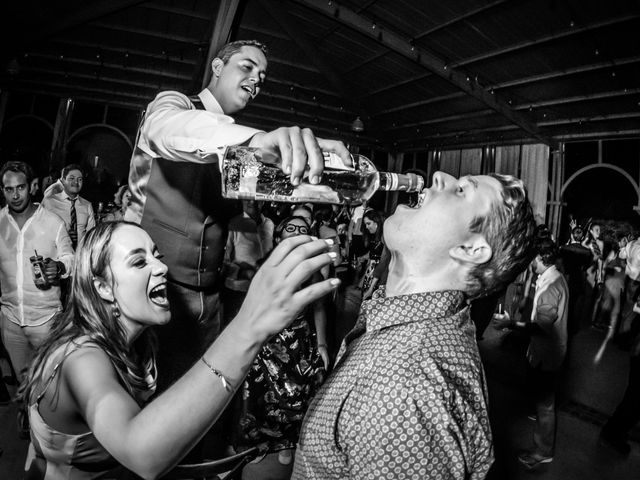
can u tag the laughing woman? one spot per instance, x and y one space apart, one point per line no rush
87 389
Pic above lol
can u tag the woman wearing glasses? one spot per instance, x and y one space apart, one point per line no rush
282 381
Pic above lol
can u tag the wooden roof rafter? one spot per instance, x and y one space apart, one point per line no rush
546 38
426 59
280 15
68 19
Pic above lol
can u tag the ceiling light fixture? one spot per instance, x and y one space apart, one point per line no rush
357 125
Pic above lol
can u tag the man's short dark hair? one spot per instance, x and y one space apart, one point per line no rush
548 251
68 168
577 233
17 166
231 48
509 230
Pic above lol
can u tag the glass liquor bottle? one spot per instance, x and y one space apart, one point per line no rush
248 175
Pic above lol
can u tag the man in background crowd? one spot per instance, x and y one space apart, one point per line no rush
63 198
30 293
250 240
547 348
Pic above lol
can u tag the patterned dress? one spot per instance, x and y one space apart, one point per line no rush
277 391
375 252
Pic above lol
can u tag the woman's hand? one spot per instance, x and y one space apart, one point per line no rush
275 298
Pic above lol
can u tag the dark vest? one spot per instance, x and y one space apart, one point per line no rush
185 216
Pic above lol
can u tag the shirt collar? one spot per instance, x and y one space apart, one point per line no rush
209 101
548 275
381 311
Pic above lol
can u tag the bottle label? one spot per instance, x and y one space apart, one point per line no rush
407 182
245 177
334 162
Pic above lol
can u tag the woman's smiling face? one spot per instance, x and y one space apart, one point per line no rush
138 277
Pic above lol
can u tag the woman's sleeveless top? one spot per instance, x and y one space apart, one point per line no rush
55 455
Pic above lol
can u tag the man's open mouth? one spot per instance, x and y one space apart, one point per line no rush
252 91
421 198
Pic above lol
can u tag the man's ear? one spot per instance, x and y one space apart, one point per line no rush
216 66
104 289
475 251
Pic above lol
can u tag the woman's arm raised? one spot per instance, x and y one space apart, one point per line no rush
152 440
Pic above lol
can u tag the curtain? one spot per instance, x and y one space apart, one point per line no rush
535 175
508 159
470 161
450 162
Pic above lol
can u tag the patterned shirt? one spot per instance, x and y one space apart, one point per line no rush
407 398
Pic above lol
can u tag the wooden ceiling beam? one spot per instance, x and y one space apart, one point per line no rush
591 118
278 11
114 66
310 103
299 86
223 21
402 46
459 18
524 106
546 38
262 30
176 11
366 61
450 118
599 135
89 98
360 9
65 19
440 98
401 83
124 51
105 78
578 98
567 72
298 112
72 90
508 128
459 133
147 33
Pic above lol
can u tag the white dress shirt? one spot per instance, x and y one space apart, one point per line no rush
631 253
247 244
57 201
175 130
21 301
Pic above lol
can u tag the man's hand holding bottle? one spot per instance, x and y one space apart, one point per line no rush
300 151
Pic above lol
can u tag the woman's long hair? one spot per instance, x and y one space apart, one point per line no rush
371 239
87 314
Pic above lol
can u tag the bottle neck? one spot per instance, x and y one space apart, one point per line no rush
403 182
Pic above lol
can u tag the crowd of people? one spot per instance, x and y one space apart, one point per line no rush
138 330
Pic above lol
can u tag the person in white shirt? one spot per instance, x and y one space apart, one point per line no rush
250 240
176 190
631 253
27 230
547 348
63 198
